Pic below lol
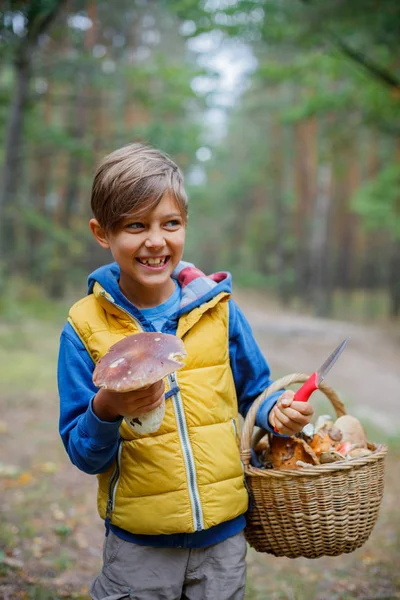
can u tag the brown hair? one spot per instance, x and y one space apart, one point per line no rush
134 178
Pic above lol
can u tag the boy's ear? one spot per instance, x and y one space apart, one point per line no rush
99 233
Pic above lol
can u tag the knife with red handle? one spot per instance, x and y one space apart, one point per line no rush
313 382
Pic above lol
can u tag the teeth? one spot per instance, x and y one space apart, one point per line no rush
156 262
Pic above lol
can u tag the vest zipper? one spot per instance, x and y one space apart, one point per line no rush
234 427
188 456
110 299
112 486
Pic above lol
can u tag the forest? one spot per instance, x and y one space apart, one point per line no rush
284 117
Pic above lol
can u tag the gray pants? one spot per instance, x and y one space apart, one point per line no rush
135 572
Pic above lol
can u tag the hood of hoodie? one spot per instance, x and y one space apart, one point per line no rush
197 288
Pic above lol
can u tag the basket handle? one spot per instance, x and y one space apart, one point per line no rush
248 426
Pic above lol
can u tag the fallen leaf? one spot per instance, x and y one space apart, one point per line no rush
14 563
9 470
22 479
81 541
58 514
25 478
48 467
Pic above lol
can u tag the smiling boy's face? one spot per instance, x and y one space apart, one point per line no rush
147 248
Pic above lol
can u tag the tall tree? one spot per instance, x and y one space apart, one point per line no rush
22 26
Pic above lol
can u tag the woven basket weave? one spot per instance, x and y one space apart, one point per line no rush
321 510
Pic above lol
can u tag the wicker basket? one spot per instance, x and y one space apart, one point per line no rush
321 510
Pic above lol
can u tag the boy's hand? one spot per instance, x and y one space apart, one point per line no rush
108 406
289 416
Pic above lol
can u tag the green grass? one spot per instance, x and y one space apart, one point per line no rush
28 354
8 535
20 300
361 305
38 591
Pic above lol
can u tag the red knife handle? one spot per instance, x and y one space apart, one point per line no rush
305 391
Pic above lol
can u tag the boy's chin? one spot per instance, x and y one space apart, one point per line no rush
157 280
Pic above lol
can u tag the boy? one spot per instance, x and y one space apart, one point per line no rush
173 501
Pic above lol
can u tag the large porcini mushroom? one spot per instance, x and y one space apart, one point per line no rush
138 361
359 453
352 430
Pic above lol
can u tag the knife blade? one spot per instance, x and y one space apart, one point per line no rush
312 383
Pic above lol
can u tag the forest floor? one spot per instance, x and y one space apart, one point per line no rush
50 535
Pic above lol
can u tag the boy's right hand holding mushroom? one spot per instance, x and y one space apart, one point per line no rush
130 376
110 405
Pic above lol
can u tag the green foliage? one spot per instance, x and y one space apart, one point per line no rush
378 201
36 16
129 77
328 84
331 64
130 80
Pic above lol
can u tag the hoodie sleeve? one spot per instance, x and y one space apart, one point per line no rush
91 444
251 372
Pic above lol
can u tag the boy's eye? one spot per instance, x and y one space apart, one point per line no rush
173 223
136 225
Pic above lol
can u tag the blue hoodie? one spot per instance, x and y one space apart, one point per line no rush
92 444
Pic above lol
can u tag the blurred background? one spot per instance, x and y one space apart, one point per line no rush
284 117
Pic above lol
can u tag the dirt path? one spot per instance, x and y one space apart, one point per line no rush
50 534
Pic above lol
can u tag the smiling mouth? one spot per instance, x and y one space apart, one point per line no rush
158 261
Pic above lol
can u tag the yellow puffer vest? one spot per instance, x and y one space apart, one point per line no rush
188 475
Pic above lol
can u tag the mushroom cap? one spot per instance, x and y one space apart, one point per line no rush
359 453
139 360
330 456
285 452
321 442
351 429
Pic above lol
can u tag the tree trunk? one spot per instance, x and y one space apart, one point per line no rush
394 266
305 184
319 265
13 159
278 164
394 280
348 224
39 20
69 200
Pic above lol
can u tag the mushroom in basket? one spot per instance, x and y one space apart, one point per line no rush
354 439
327 442
286 452
344 438
326 439
138 361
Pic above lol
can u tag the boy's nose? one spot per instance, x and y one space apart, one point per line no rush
155 240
